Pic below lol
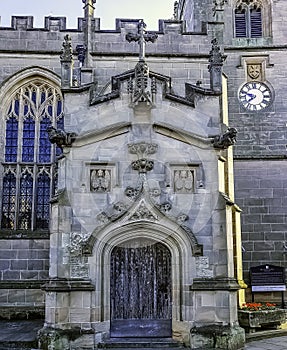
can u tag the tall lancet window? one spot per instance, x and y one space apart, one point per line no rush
29 157
248 19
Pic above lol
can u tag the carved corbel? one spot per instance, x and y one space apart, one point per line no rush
60 137
225 140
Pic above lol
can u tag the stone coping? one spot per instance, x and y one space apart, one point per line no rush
229 284
68 285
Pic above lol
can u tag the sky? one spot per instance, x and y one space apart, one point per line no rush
107 10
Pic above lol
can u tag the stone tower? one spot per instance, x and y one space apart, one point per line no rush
253 40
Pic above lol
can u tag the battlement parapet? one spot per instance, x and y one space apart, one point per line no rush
173 39
51 23
58 23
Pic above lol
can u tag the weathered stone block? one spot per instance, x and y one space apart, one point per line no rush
216 336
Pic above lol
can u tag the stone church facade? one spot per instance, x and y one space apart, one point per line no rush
128 159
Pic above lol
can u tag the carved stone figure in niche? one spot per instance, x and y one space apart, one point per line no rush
100 180
183 181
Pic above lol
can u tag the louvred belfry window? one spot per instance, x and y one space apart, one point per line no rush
248 19
255 23
29 157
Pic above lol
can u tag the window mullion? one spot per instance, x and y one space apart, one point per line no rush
17 196
20 127
36 140
248 23
35 176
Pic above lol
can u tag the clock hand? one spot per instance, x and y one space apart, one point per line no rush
251 97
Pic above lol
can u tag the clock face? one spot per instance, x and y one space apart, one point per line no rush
255 96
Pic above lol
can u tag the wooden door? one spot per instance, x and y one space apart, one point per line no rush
141 291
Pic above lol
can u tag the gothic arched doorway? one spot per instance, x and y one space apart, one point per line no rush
141 290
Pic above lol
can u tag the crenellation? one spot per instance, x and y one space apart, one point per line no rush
22 22
55 23
171 26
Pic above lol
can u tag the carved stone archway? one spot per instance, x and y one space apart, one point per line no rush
140 280
175 239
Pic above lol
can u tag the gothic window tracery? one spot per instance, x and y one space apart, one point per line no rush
248 19
29 157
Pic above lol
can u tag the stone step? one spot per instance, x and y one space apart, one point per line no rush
149 348
18 345
19 334
140 343
14 344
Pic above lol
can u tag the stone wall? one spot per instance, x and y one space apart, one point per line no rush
260 192
260 151
24 268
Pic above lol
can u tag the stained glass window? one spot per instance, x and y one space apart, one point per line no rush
28 140
9 201
25 201
44 143
11 140
42 200
28 186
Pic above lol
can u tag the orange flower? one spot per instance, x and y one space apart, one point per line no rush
258 306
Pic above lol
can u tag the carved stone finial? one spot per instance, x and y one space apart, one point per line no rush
218 5
67 51
139 91
60 137
216 57
216 60
225 140
89 7
67 62
175 10
142 37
